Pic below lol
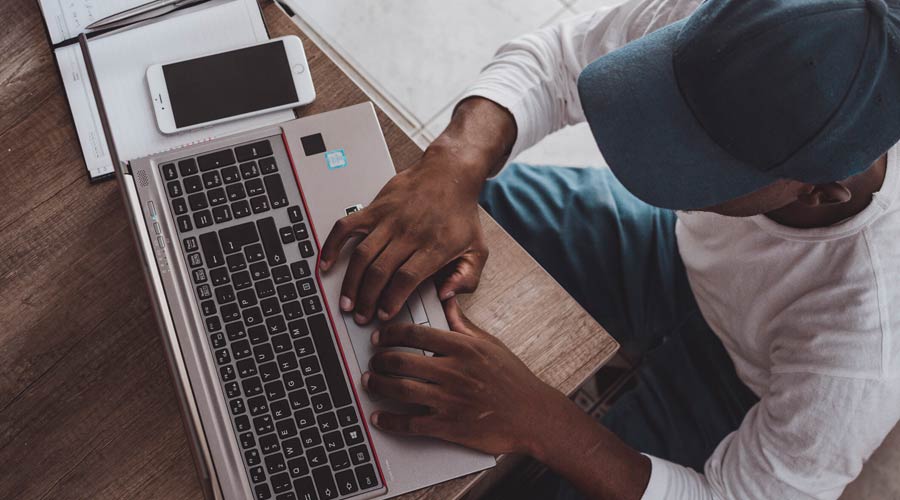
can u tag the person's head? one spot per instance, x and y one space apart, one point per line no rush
791 194
750 106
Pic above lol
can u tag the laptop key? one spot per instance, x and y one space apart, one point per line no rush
331 365
253 151
197 201
219 276
217 340
257 475
246 298
187 167
327 422
251 456
359 454
305 489
297 467
241 280
236 262
257 334
254 253
286 429
212 251
270 306
300 231
268 166
346 482
203 219
287 235
292 448
293 310
184 223
212 179
259 204
235 192
300 269
242 423
230 312
262 492
234 238
174 189
347 416
227 374
281 482
281 409
240 209
269 371
299 400
179 206
312 305
230 175
325 483
333 442
246 368
281 274
275 189
259 270
269 444
254 187
193 184
249 170
353 435
306 249
305 418
295 214
216 196
365 475
215 160
169 172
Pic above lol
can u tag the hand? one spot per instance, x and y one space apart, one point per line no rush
424 219
475 392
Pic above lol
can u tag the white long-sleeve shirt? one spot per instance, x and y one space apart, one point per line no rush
809 317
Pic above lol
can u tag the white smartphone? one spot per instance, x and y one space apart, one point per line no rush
224 86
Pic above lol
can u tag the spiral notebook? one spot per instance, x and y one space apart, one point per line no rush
121 58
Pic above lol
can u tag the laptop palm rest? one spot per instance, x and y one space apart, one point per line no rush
348 170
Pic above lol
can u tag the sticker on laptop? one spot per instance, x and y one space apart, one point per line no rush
336 159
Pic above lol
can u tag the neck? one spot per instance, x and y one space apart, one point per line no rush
862 186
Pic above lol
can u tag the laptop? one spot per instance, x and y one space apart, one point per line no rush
266 365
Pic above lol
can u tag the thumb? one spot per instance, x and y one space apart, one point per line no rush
463 274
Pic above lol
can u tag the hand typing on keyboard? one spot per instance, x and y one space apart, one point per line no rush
479 394
424 219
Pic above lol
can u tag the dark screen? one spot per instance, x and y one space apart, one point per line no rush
228 84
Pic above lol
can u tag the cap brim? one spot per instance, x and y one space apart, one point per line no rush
648 134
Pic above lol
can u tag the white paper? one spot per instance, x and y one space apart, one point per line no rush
84 110
67 19
120 62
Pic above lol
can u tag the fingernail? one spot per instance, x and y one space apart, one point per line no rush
323 265
449 295
383 315
346 304
360 319
365 380
375 337
375 417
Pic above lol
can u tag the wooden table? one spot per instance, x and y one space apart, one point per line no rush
87 409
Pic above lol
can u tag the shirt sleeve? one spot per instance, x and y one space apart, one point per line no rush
535 76
806 439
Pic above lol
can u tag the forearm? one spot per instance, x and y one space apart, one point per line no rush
589 456
477 141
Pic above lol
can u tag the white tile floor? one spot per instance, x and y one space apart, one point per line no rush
415 58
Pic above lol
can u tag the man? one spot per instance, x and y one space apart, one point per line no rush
764 309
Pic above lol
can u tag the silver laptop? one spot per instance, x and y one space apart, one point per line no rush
266 365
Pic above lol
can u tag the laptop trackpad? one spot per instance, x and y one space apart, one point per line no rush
361 338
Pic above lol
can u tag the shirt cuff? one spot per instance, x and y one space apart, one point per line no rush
659 480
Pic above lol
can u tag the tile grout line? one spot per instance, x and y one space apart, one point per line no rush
404 118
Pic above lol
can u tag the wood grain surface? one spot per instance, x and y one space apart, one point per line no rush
87 409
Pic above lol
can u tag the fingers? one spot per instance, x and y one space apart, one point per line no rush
406 364
458 322
404 282
353 225
464 275
376 278
417 337
364 254
403 390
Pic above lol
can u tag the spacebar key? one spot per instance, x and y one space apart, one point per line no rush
271 241
328 358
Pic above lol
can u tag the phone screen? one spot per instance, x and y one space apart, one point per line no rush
230 84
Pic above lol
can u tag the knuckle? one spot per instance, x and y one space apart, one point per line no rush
363 251
407 277
377 271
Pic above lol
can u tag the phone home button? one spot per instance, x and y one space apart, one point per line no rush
299 69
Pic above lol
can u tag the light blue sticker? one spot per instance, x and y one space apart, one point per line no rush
336 159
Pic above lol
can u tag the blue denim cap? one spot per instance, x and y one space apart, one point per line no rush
744 92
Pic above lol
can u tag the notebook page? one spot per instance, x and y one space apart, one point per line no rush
121 61
84 110
67 19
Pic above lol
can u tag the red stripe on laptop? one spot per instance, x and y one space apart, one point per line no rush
365 418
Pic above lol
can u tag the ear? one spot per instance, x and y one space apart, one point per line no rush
820 195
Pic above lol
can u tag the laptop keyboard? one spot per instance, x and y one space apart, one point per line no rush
245 235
